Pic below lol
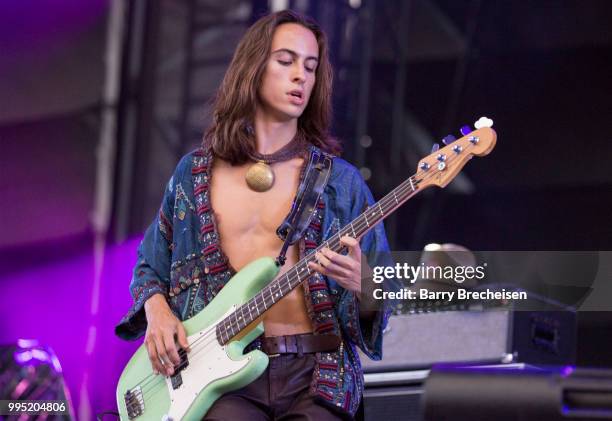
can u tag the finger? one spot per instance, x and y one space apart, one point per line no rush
344 282
163 356
153 356
353 247
182 337
323 260
318 268
332 269
171 350
345 262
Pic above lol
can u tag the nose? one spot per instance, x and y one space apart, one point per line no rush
299 74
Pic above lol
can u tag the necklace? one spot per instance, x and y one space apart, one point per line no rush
260 176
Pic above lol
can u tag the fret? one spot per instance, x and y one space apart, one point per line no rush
264 302
241 319
298 269
353 229
395 197
254 300
244 318
236 324
412 184
365 216
380 210
220 333
232 327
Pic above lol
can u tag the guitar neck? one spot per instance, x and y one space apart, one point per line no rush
284 284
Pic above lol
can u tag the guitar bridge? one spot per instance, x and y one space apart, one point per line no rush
134 402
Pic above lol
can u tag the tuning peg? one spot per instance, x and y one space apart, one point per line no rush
435 147
465 130
447 140
483 122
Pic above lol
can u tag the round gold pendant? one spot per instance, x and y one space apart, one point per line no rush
260 177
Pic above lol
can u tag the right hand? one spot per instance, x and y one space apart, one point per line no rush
162 329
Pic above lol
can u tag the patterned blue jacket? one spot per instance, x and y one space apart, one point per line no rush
180 257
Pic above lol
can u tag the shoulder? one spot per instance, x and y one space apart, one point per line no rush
183 170
344 171
195 158
346 188
347 177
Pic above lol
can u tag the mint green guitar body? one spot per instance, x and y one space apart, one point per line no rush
212 369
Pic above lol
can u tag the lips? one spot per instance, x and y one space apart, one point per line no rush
296 97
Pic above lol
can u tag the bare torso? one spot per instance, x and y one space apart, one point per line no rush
247 222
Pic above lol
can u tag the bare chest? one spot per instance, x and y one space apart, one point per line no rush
247 220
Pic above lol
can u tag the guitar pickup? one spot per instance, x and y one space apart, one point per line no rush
176 379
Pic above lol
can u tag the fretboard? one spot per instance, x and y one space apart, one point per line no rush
248 312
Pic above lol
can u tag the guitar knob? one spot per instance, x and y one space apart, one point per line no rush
435 147
465 130
449 139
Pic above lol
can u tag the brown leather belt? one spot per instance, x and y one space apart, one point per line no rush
299 344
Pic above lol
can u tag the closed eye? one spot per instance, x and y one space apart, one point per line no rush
287 63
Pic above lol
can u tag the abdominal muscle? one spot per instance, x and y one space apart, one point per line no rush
247 223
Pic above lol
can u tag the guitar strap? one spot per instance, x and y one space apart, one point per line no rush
310 189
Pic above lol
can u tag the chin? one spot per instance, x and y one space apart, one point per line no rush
291 113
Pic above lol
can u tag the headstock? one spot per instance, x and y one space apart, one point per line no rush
442 165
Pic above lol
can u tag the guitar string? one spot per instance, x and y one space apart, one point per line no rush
389 198
385 202
287 279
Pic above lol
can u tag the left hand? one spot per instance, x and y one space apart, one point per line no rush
345 269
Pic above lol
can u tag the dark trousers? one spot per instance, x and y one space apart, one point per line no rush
280 393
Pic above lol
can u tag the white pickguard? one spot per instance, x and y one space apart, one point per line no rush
206 364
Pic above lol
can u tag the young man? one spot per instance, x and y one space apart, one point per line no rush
221 210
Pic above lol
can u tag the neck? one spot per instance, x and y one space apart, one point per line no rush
272 134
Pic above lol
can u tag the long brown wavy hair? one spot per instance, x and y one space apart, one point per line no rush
231 135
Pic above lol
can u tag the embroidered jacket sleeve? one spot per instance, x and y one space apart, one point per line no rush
151 274
366 334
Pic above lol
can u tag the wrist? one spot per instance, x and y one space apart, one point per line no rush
155 301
